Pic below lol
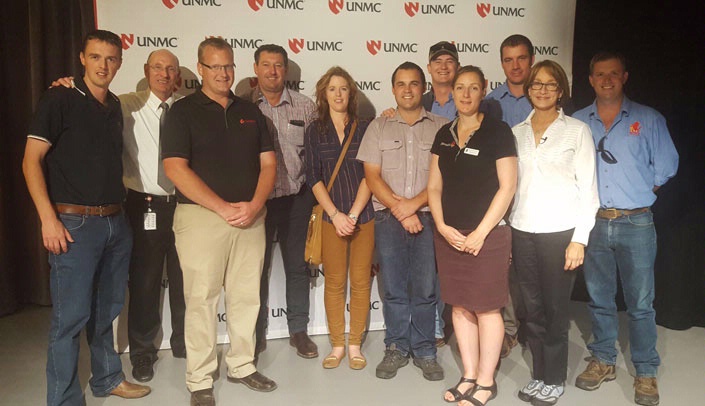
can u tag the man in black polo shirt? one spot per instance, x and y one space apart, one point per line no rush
77 134
218 152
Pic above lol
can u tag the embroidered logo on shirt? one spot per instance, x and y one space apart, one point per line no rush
445 144
635 128
243 121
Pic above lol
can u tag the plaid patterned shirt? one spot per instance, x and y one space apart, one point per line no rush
287 123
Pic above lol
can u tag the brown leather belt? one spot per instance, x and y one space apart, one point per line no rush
612 214
102 211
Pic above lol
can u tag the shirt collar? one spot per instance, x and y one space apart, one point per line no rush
259 97
505 92
201 97
423 116
154 102
111 100
626 106
561 117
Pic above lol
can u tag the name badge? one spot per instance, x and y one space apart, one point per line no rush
471 151
150 220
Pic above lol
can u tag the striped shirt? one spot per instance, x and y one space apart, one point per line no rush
287 122
322 151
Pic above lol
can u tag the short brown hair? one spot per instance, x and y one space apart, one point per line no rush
215 42
606 56
555 70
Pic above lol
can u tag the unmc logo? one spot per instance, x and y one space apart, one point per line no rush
160 42
485 9
172 3
127 41
374 47
296 45
256 5
336 6
414 7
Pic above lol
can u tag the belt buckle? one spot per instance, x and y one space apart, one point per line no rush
611 213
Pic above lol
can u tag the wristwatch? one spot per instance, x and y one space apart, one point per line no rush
352 216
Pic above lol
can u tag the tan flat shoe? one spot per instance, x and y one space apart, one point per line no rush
331 362
357 362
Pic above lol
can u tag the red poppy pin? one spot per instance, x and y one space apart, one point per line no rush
635 128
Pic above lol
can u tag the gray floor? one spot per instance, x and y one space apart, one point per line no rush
304 382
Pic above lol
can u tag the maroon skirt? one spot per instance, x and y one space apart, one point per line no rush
477 283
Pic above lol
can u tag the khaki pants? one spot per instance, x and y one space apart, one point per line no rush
215 256
360 247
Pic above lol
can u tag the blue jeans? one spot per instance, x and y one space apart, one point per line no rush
88 290
408 275
628 244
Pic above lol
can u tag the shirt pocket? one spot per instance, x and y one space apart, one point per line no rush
391 153
424 155
295 135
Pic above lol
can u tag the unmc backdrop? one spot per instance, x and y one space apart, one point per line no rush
367 38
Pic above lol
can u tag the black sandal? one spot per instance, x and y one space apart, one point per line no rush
457 394
471 398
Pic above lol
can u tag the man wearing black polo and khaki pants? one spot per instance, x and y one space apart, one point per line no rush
218 152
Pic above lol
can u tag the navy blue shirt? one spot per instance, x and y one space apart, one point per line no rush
322 151
84 162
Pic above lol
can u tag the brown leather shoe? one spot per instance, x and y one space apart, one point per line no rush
256 381
646 391
203 397
305 348
129 390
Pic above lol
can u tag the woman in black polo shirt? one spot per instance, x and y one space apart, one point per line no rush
471 184
348 225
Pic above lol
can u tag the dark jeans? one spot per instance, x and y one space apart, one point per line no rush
539 260
287 217
87 290
150 250
408 275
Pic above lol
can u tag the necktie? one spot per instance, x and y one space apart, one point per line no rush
162 179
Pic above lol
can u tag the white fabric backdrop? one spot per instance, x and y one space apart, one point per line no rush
367 38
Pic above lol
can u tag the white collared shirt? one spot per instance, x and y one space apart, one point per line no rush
140 156
557 187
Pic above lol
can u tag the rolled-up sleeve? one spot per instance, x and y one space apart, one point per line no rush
663 154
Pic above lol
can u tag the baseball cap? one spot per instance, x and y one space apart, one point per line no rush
441 48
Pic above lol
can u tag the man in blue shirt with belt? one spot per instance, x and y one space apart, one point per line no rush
636 156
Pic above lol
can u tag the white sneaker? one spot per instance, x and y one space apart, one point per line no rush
530 391
548 396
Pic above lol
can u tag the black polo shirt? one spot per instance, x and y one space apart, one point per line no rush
84 164
222 145
470 174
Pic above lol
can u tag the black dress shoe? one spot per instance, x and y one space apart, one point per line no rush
305 348
256 381
142 368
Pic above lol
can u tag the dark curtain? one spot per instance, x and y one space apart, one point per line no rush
41 40
664 45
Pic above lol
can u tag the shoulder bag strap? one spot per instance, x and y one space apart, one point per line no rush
353 128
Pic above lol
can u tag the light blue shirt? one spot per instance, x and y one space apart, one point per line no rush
646 157
514 109
448 110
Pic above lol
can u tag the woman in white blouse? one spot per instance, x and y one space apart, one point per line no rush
553 213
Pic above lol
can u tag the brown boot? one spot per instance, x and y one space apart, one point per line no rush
646 391
595 373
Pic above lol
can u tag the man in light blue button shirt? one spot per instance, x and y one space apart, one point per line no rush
509 102
636 156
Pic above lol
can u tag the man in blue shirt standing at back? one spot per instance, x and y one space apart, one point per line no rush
509 102
636 156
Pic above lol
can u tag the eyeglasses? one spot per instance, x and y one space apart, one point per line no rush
605 154
551 86
219 68
159 68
